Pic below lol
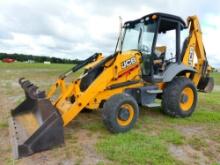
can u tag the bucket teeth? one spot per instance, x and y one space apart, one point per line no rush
26 84
35 124
31 90
20 80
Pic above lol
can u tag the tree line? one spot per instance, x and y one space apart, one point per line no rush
40 59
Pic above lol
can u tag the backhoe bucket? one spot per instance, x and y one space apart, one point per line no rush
206 84
35 124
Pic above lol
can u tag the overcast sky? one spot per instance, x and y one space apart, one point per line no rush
79 28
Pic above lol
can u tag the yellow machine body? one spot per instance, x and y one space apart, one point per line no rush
107 80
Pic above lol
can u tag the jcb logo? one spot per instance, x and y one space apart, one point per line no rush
128 62
191 55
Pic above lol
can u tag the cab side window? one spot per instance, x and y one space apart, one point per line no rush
166 45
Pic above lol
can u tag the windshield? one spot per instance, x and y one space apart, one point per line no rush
138 36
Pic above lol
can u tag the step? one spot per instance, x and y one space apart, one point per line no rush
157 78
152 105
154 91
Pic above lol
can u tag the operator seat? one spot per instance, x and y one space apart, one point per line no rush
158 61
159 58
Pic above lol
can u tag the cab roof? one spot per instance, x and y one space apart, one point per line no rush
167 23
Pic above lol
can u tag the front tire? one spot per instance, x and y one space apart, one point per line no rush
179 97
120 113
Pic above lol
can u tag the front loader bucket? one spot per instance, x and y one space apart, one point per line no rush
35 124
206 84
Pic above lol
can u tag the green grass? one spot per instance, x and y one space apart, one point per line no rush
216 163
94 126
147 143
3 125
209 99
137 148
9 161
22 65
171 136
32 71
202 116
100 163
197 142
216 77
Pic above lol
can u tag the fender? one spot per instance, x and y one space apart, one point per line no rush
174 69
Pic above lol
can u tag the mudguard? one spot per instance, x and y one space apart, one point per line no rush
174 69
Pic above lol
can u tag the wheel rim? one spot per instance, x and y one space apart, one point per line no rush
186 99
125 115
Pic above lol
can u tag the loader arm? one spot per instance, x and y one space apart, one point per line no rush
111 72
88 63
69 113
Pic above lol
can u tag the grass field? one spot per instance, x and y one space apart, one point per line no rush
156 138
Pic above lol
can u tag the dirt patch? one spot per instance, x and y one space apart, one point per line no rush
5 148
189 131
79 148
213 150
217 88
188 155
87 141
200 145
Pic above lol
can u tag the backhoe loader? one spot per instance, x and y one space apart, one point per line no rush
143 69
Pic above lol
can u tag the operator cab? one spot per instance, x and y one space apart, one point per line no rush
157 37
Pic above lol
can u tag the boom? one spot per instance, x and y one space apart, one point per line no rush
195 47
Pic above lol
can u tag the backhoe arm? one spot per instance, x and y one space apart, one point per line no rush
195 47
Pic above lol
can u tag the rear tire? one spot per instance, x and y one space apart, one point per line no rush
120 113
179 98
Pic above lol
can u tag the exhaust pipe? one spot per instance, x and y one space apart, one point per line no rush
35 125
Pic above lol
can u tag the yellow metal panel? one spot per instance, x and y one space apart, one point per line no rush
125 67
195 47
122 69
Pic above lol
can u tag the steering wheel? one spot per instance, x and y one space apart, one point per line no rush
169 60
